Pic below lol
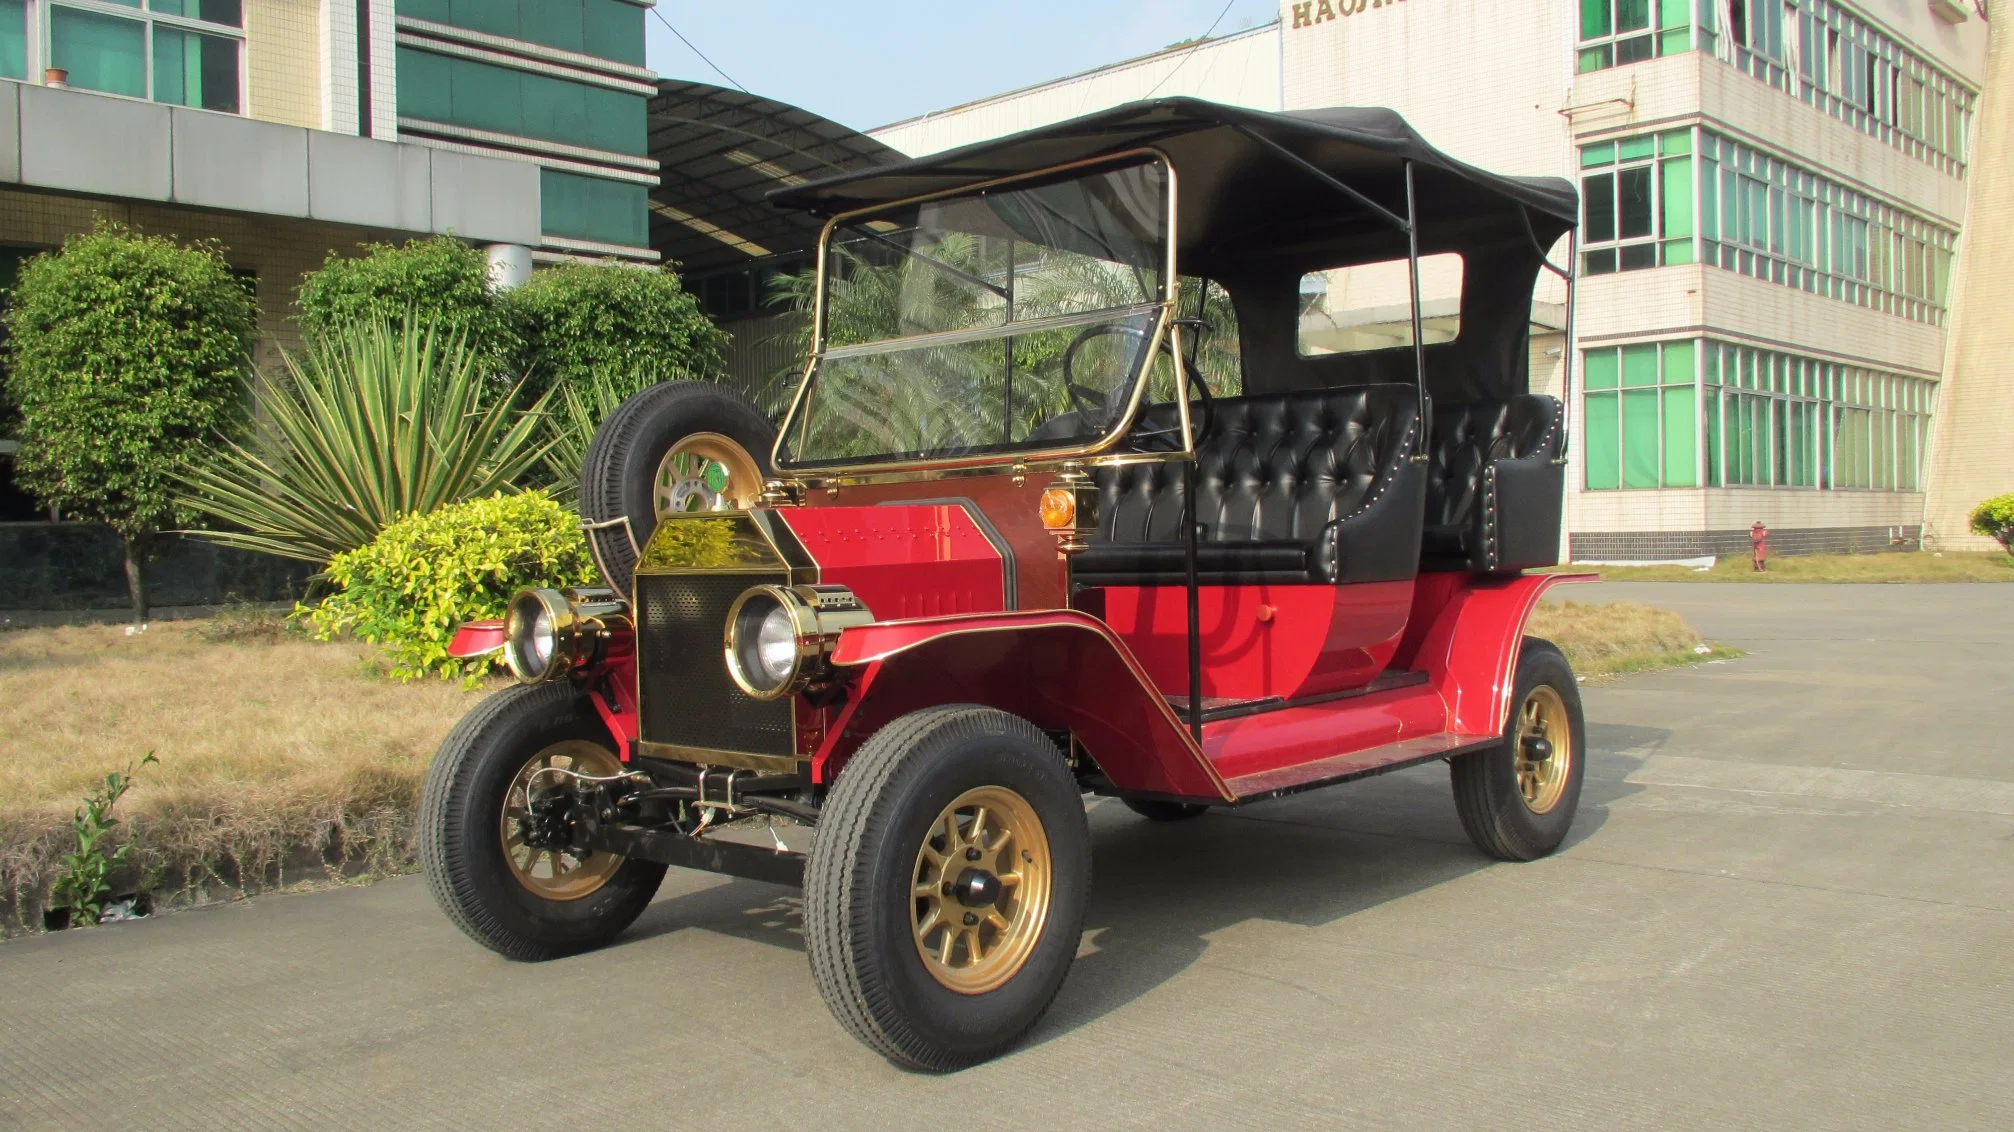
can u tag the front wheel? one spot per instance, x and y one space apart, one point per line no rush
1517 799
508 884
945 893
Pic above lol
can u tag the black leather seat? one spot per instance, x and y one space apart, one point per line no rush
1494 486
1313 487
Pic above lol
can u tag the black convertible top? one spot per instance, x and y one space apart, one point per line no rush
1237 196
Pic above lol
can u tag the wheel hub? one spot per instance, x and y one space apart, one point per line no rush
980 895
1544 749
536 829
704 472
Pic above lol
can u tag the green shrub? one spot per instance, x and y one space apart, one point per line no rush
578 410
438 279
1995 519
377 422
634 326
426 574
126 352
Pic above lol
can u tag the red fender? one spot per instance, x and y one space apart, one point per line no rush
1061 669
1470 631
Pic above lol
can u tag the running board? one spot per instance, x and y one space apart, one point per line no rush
1357 764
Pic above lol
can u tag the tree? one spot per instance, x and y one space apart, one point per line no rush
128 352
1995 519
636 326
439 280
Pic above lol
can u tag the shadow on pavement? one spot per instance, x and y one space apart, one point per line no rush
1160 891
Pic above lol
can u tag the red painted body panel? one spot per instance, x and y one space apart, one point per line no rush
1061 669
614 700
1012 508
475 638
1263 640
928 560
1473 628
1290 737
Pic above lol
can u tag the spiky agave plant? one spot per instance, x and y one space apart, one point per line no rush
373 423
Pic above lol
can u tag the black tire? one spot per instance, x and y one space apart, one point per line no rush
463 855
618 471
1493 807
858 901
1155 810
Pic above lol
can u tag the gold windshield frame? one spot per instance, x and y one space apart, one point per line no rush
870 470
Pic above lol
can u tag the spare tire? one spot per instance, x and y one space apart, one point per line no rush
683 446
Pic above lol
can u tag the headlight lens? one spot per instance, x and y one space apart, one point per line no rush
762 644
531 634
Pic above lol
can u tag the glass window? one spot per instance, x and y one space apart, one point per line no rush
1352 310
191 69
463 92
1014 320
1644 206
101 52
594 208
1615 33
13 39
605 29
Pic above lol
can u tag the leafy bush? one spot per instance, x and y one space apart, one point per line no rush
438 279
635 326
377 422
426 574
127 352
86 879
579 409
1995 519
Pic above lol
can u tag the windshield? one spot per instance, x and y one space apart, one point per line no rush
1009 320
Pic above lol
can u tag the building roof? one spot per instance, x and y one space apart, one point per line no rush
720 152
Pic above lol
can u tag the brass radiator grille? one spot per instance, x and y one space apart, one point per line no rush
687 698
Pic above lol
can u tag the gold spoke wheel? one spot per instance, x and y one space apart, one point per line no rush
980 890
1545 751
555 874
705 472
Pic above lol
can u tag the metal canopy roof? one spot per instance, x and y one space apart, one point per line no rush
720 151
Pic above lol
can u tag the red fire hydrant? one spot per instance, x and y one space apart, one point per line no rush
1758 537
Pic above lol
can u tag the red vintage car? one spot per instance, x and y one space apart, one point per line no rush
1178 453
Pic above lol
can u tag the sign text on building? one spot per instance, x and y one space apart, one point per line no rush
1316 11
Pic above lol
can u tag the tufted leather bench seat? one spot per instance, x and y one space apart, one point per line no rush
1312 487
1493 488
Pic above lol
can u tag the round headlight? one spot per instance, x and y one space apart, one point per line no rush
762 644
531 634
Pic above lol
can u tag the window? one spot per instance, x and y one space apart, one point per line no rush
1637 203
593 208
451 91
1614 33
1821 52
13 39
1640 420
1368 306
1784 224
180 51
1778 420
605 29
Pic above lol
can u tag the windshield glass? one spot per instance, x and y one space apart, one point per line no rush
1009 320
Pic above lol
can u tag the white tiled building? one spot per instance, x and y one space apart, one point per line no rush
1774 195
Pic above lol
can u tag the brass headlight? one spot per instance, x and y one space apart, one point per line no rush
549 633
779 636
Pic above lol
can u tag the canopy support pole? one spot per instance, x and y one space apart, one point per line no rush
1419 330
1402 223
1567 351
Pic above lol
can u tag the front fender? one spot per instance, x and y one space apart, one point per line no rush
1062 670
1471 651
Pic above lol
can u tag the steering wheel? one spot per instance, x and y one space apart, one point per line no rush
1096 409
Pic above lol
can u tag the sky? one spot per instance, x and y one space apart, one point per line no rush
866 63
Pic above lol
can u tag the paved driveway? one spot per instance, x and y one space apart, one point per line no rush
1788 902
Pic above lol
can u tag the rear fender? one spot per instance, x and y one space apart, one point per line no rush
1470 652
1062 670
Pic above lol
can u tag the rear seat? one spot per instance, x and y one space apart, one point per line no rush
1312 487
1494 486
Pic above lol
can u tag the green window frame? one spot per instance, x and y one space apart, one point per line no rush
1637 202
1776 420
184 52
1640 426
1616 33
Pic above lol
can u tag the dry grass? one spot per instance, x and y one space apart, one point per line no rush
1907 566
1621 637
272 748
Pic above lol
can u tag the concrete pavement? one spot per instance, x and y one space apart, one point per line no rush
1788 902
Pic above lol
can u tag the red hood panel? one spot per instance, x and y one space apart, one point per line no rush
903 561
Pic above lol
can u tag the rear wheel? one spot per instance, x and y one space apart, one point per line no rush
1517 799
676 448
502 880
945 893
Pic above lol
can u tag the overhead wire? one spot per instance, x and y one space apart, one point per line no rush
702 55
1200 41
